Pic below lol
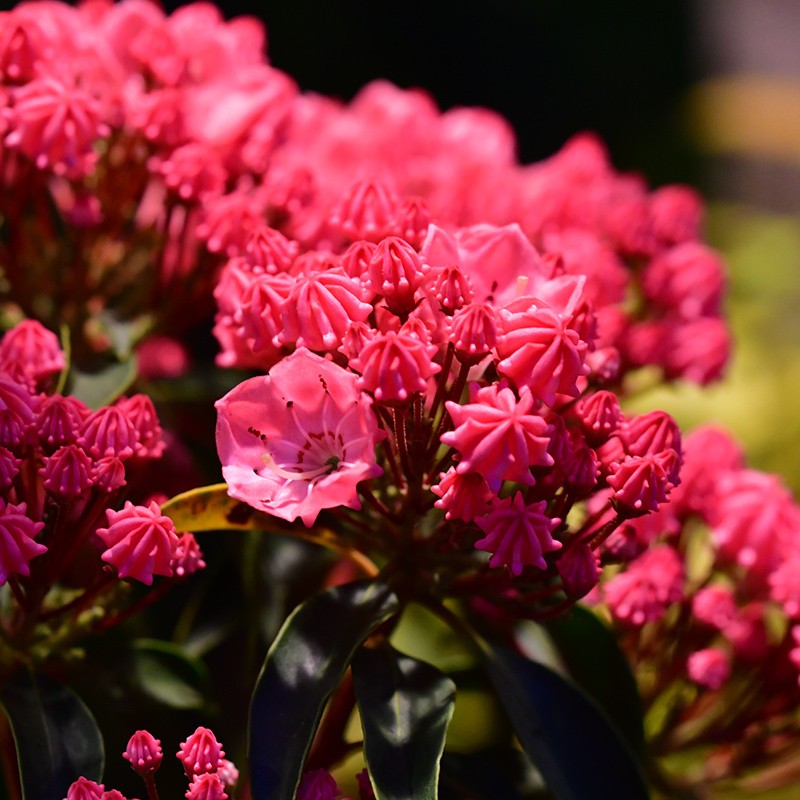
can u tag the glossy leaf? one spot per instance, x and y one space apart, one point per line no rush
167 674
305 663
405 708
56 736
592 655
570 740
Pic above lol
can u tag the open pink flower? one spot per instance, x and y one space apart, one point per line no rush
297 440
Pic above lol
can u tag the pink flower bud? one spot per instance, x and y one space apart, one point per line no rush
640 484
355 260
208 786
579 568
59 420
17 412
9 468
709 667
17 545
68 472
192 171
499 436
517 535
395 272
451 288
187 557
366 211
142 414
228 773
144 753
140 541
395 366
32 351
412 220
200 753
317 784
474 331
600 416
268 250
84 789
109 432
109 474
462 496
676 213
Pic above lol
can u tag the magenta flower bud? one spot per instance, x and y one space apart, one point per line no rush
59 420
140 541
200 753
228 773
68 472
395 366
9 468
640 485
142 413
192 171
651 433
17 412
499 436
579 568
207 786
268 250
710 667
56 125
84 789
714 605
317 784
451 288
320 308
17 535
650 583
462 495
144 753
395 272
412 220
30 350
600 416
229 221
109 432
474 331
518 535
187 557
109 474
22 47
676 213
113 794
355 260
366 211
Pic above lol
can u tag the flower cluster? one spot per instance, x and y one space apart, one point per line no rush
452 389
709 613
63 472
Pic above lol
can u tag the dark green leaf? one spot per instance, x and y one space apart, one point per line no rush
304 665
104 386
485 775
167 674
570 740
595 662
56 736
405 708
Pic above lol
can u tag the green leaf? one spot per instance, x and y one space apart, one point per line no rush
579 753
405 708
167 674
56 736
305 663
596 663
104 386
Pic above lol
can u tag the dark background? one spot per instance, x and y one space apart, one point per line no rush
551 67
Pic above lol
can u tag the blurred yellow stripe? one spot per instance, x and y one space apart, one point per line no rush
747 114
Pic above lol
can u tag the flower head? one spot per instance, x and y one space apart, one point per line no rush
297 440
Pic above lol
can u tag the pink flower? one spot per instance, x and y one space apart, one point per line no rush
579 568
17 545
640 485
200 753
499 436
366 211
187 557
297 440
32 351
140 540
395 271
474 331
109 432
463 495
517 535
317 784
144 752
68 472
84 789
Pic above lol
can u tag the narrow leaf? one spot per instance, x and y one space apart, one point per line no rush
405 708
596 663
579 753
305 663
166 673
56 736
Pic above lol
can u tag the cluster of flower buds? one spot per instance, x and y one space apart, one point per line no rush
709 614
209 773
166 143
63 473
451 388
